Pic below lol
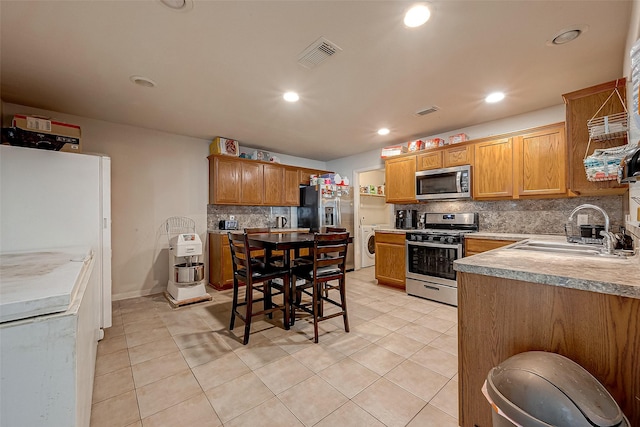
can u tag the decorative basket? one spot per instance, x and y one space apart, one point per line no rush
603 164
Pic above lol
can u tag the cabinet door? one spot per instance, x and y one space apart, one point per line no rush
274 185
493 169
390 259
473 246
252 183
291 187
400 177
458 156
541 163
581 106
224 180
428 161
220 267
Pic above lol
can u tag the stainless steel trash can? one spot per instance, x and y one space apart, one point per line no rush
540 389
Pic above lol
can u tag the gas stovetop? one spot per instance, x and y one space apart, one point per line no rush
445 227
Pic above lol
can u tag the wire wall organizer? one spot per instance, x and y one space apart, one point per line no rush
603 164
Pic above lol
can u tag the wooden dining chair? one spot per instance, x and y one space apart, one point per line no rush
329 262
256 275
275 257
336 230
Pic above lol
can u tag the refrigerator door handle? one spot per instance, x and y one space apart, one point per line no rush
338 215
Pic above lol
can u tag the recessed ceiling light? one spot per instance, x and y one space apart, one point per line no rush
494 97
291 97
383 131
142 81
417 16
178 5
568 34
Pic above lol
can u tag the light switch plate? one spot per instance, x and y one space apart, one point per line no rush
583 219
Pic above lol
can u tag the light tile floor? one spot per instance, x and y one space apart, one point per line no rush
159 366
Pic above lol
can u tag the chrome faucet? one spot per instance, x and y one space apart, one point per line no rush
609 239
588 206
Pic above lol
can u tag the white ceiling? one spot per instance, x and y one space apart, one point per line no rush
221 68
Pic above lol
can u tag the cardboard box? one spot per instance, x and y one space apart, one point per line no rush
226 146
42 132
393 150
457 138
416 145
433 143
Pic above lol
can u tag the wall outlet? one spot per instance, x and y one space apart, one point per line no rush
583 219
232 217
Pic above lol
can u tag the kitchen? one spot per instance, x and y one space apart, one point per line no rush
158 174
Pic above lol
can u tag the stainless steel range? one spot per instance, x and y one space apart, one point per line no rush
431 252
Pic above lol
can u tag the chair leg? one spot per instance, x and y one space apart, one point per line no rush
343 301
286 300
234 304
266 286
248 314
316 301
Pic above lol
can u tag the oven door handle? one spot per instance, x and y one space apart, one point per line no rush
432 245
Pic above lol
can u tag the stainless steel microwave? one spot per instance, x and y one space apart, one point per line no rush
447 183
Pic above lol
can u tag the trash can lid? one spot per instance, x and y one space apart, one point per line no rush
549 388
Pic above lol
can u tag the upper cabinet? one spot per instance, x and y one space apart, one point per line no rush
400 179
493 169
581 106
446 158
224 180
540 165
235 181
530 164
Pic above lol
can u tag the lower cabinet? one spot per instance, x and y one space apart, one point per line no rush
220 267
473 246
391 259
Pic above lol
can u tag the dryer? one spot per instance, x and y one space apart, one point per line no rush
368 242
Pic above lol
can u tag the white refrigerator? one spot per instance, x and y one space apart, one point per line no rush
51 199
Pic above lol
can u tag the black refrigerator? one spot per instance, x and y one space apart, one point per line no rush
319 209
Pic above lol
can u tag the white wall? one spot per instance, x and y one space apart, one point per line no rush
155 175
371 159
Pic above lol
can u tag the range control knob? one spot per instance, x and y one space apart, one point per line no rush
450 239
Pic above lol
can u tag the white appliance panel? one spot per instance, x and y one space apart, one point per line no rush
52 199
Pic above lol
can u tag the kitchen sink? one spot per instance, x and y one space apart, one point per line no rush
561 248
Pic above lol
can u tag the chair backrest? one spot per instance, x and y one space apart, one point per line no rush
336 230
256 230
330 255
239 244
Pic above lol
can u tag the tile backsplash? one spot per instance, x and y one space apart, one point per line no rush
247 216
540 216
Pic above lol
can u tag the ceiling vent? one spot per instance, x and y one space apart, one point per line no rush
429 110
318 52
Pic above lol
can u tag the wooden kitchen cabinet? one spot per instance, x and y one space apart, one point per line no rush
457 156
291 187
581 105
474 246
252 184
493 169
391 259
224 180
445 158
273 185
540 166
235 181
429 160
500 317
220 267
400 179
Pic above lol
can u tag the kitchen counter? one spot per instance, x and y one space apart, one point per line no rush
614 276
509 236
271 230
391 230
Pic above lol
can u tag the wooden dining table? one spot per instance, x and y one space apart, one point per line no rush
286 242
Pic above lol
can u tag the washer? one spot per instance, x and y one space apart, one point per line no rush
368 250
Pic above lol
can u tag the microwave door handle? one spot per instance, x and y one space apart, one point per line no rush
458 181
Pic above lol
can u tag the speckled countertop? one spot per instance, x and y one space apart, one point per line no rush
509 236
615 276
392 230
272 230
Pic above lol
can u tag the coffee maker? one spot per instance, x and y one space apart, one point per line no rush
406 219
